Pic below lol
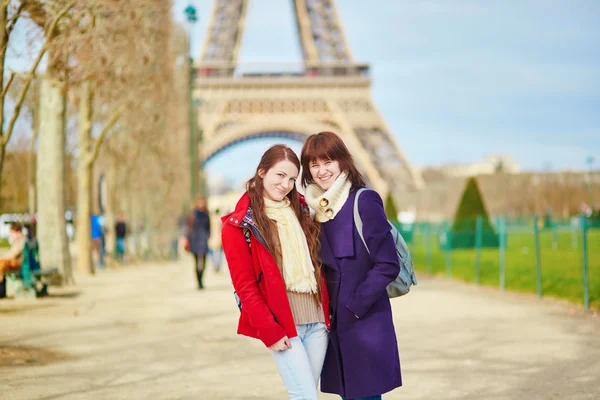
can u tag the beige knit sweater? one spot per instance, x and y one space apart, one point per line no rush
306 308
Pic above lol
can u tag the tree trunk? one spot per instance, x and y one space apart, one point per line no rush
52 235
31 161
2 154
3 47
109 212
84 182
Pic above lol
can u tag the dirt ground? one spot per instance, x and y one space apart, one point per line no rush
145 332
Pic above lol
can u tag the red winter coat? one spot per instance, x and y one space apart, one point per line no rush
266 312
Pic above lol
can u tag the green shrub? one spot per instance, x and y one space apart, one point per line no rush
390 209
464 227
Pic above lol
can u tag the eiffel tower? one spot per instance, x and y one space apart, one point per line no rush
331 93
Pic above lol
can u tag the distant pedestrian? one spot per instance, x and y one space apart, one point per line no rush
178 237
121 233
98 238
215 243
198 233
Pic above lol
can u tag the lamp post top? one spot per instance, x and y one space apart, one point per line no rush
190 12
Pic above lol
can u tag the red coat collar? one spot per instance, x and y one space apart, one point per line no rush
241 208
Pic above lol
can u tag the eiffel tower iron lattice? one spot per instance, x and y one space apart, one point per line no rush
330 93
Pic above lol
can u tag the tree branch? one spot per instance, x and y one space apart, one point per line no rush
36 12
12 76
15 18
22 94
25 88
116 114
60 14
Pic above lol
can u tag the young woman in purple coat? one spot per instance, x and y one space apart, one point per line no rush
362 360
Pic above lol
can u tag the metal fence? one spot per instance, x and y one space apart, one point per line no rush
553 258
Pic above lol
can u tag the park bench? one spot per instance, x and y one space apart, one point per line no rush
39 281
29 278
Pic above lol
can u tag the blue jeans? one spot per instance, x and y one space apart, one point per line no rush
378 397
120 248
300 366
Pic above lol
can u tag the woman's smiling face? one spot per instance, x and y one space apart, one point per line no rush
324 172
279 180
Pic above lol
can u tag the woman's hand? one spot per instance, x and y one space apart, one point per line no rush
283 344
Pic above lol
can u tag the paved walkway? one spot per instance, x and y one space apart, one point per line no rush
145 332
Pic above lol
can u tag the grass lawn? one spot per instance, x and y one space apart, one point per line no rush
561 263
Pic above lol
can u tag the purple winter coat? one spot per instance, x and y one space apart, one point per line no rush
362 357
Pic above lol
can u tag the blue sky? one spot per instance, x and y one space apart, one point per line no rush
457 80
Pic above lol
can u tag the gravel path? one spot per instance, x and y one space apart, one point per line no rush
145 332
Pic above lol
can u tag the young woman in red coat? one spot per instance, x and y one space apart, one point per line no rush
271 245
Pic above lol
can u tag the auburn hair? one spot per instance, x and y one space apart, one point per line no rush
329 146
268 227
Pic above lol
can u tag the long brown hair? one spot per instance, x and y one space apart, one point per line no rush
267 227
329 146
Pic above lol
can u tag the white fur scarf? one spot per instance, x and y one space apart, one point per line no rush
327 204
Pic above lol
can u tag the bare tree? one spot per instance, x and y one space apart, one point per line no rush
117 71
30 113
144 162
10 14
50 174
116 64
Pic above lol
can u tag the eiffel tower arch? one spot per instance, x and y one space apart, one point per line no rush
331 92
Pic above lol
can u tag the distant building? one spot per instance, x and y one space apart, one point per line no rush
218 185
488 166
509 195
224 202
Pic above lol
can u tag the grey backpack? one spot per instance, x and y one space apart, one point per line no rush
406 278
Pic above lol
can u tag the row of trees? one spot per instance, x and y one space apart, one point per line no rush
103 90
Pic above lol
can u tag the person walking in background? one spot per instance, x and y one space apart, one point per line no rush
198 233
271 245
362 360
179 237
120 233
98 238
215 243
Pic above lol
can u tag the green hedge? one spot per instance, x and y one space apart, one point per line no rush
462 235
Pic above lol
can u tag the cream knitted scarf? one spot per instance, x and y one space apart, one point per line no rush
327 204
298 270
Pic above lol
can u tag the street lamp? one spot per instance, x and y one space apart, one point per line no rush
590 161
192 17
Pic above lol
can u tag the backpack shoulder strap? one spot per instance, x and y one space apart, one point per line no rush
357 220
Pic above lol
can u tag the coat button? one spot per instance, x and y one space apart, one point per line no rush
330 317
231 219
323 202
236 221
329 213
